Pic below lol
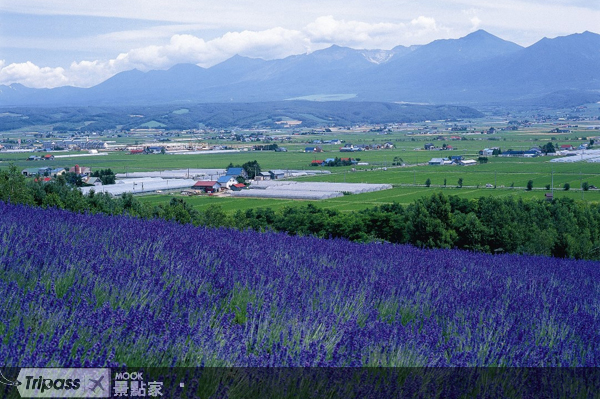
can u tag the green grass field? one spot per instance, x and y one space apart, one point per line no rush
408 181
402 195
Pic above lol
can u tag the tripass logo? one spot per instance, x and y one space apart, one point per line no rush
63 383
6 381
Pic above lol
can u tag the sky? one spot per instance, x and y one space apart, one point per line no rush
52 43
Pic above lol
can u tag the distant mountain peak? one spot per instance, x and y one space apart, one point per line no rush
333 50
377 56
477 67
479 33
185 67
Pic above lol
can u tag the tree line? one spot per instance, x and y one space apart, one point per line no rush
561 227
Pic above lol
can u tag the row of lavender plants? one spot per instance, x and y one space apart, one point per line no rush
97 290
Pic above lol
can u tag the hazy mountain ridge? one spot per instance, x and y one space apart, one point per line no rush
246 115
479 68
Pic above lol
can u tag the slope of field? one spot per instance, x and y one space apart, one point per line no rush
100 290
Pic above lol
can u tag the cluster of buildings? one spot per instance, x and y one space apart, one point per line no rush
47 173
432 147
350 147
334 162
453 160
231 182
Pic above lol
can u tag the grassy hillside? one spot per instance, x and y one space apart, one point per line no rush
98 290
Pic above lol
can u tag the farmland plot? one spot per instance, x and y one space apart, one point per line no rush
308 190
97 290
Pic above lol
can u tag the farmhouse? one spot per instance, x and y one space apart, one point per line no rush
263 176
81 170
93 181
238 187
236 172
313 149
437 161
226 181
467 162
524 154
277 174
350 148
155 150
207 186
32 171
57 172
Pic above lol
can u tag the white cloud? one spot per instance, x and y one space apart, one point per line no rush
268 44
424 23
353 33
278 42
32 75
473 16
185 48
476 22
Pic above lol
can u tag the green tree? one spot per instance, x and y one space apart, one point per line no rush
548 148
13 188
585 186
530 185
429 223
460 182
470 231
398 161
73 179
427 182
252 168
53 200
107 176
214 216
566 187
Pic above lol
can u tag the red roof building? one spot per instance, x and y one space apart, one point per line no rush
207 186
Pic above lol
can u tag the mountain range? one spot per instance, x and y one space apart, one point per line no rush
477 69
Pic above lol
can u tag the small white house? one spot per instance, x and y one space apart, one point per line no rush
436 161
467 162
227 181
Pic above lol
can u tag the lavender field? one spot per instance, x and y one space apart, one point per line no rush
96 290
